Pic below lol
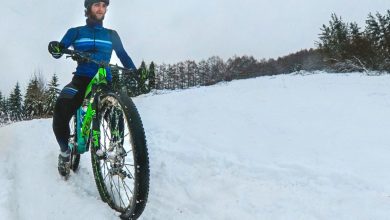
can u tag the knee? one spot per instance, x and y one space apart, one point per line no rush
63 111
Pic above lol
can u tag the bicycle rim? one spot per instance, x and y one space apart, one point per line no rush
121 169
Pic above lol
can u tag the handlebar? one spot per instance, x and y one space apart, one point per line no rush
86 57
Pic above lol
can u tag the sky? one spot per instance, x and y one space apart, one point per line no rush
169 31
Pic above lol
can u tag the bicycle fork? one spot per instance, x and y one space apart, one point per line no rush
95 123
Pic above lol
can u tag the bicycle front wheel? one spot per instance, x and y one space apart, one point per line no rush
121 164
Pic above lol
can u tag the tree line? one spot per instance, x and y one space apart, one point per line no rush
38 101
342 47
346 47
214 69
40 98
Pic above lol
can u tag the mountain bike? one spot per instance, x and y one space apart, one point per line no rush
109 124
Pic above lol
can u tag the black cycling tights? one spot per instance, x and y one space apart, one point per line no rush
70 99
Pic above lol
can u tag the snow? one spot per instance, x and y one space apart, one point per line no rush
283 147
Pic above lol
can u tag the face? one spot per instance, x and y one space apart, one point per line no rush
98 10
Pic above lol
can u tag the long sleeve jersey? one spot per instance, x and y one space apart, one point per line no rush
100 42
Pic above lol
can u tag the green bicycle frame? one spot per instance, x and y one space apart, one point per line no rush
84 119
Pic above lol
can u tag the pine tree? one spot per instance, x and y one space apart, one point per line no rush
30 108
204 69
384 41
34 102
360 48
129 83
171 77
161 72
51 95
386 29
378 34
143 79
181 76
116 81
2 110
4 118
152 76
372 33
15 104
192 72
218 67
335 39
383 35
1 104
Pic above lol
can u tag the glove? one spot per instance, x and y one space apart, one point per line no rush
55 49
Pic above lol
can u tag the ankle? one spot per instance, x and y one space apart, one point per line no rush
65 153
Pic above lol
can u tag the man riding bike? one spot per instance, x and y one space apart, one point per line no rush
98 41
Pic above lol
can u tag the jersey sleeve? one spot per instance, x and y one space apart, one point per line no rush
69 37
120 52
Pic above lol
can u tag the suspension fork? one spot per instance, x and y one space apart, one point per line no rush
97 81
96 122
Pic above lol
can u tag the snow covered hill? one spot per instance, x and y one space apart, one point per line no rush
284 147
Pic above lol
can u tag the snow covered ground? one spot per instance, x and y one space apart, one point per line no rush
284 147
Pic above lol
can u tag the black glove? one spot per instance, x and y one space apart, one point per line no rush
55 49
80 58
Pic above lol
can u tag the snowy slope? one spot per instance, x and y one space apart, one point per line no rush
284 147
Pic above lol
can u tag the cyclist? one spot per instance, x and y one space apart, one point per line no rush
100 42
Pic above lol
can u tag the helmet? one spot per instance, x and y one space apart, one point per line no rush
88 3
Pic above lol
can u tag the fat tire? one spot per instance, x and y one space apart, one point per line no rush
140 154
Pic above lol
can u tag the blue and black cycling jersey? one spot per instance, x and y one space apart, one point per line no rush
98 41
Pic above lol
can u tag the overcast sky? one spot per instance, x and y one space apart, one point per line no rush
169 31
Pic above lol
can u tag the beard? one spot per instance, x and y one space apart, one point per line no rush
94 17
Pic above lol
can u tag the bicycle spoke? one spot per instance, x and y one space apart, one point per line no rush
128 188
118 193
127 195
127 152
105 135
130 173
127 164
112 192
102 143
105 167
104 179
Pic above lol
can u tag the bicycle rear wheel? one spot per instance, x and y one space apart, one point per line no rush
121 165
